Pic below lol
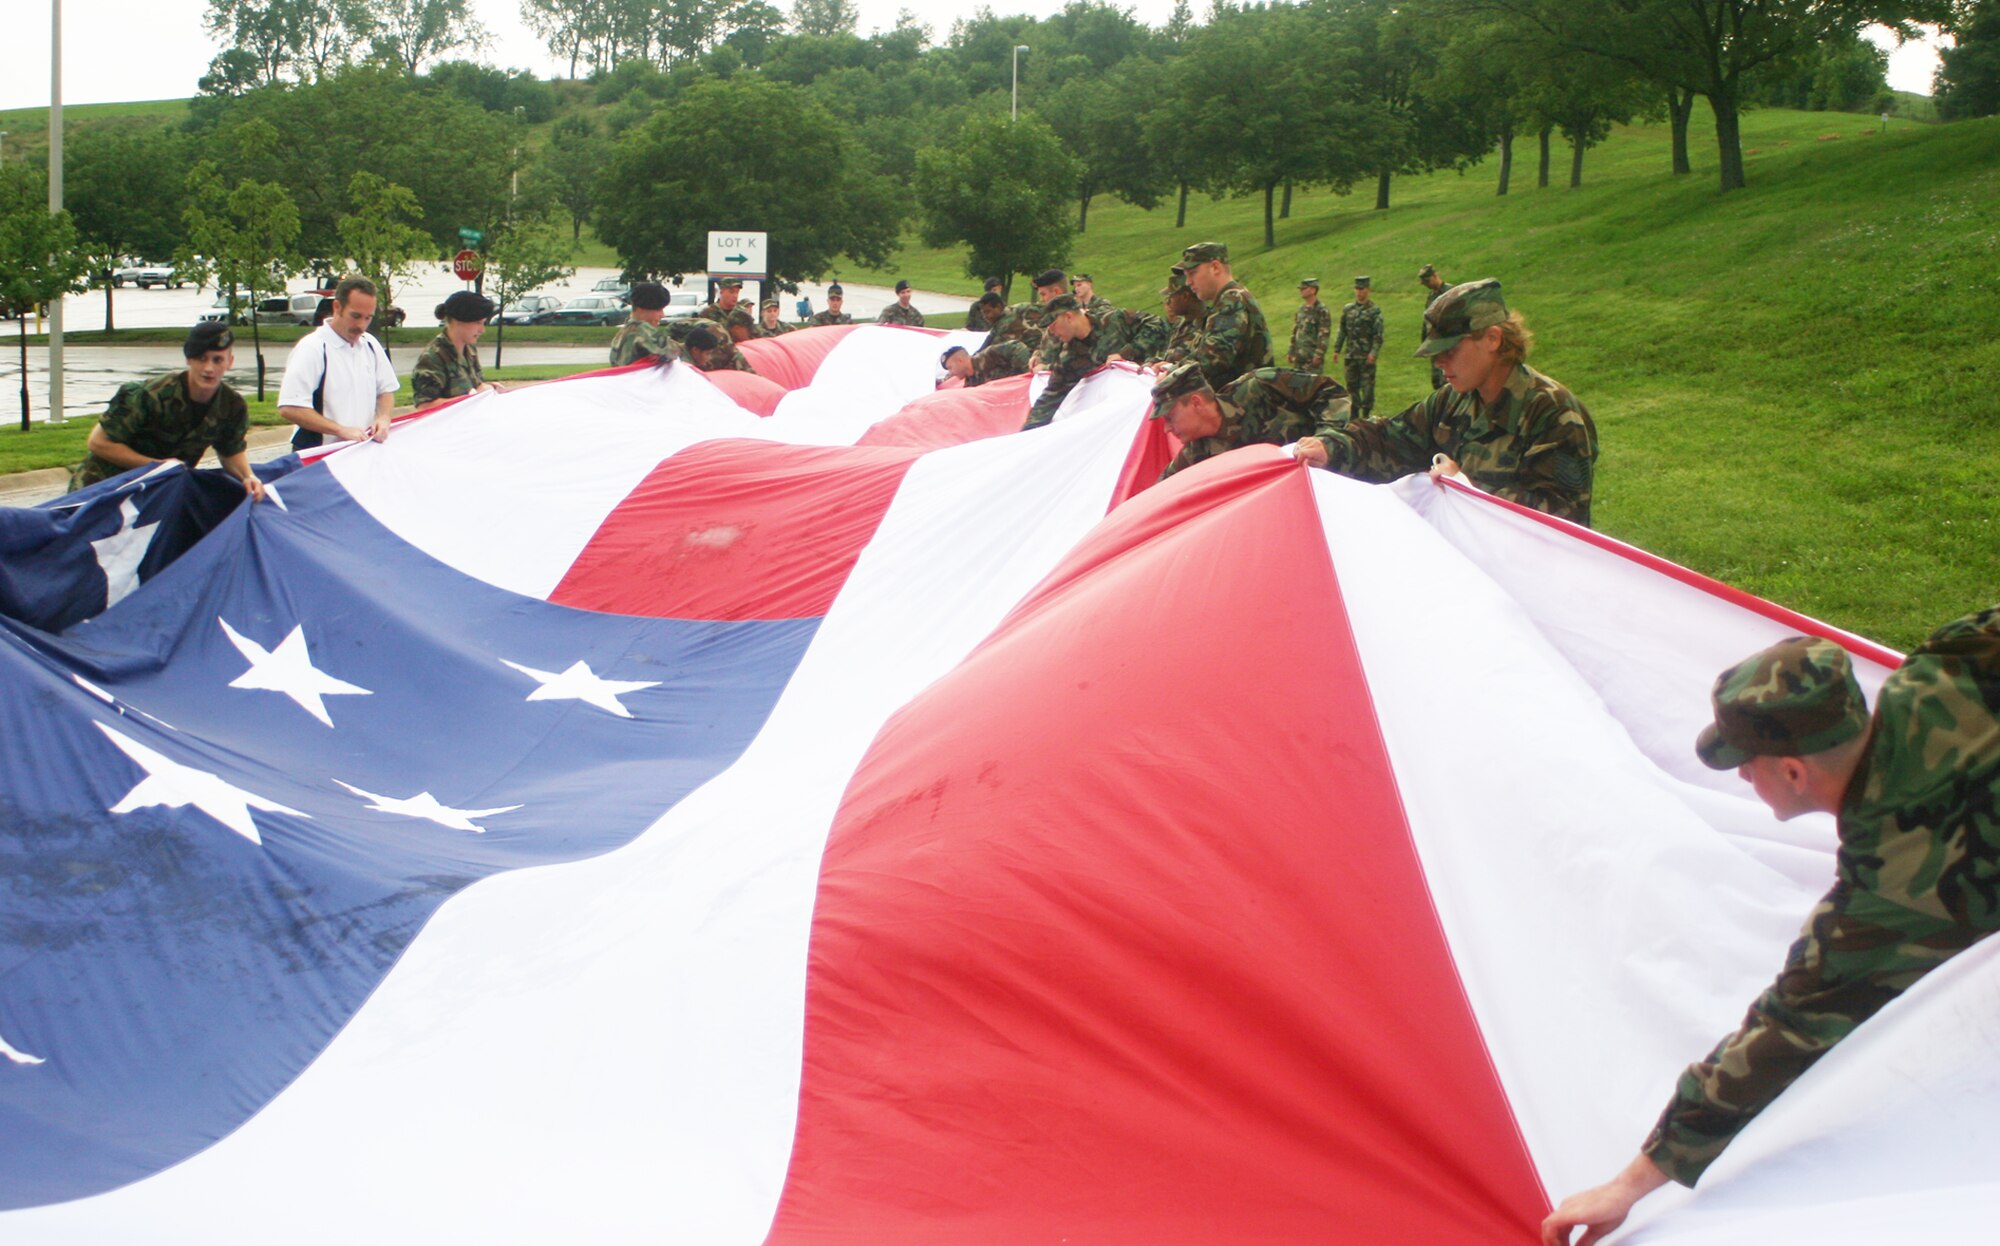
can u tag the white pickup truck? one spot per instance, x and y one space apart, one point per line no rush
146 276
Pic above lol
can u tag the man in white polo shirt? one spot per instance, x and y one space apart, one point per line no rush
338 380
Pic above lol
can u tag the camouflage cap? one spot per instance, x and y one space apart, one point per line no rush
1080 277
1309 281
834 291
1426 272
770 305
1794 699
1203 252
1467 307
1360 282
1061 303
1175 385
740 315
206 336
729 283
649 295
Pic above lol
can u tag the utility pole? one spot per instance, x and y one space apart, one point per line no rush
1014 114
55 204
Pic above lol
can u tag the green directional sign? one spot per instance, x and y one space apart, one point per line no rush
472 237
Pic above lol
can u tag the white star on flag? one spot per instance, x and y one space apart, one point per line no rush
289 669
424 805
18 1056
579 683
169 783
120 554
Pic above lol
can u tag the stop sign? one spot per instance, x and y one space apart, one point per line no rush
467 265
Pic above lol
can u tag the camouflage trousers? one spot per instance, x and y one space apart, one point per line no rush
1360 385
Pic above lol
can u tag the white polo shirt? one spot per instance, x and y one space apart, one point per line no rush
355 375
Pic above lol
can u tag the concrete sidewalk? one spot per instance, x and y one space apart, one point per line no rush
33 488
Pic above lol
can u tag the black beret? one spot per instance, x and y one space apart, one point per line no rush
1053 277
465 305
207 336
650 295
902 286
702 338
834 291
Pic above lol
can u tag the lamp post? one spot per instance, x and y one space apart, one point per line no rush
1015 114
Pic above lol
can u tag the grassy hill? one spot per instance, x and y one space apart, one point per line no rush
1794 384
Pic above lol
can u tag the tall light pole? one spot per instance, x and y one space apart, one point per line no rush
55 203
1015 114
3 149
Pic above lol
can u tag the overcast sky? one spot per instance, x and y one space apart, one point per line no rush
154 49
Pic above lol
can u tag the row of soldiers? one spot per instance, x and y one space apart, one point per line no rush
708 339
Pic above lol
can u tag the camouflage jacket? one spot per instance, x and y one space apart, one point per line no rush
1020 323
713 312
896 313
1361 331
443 371
820 318
636 340
1916 881
1234 340
1120 333
1271 406
155 418
996 360
1311 327
1181 336
975 320
777 330
1536 445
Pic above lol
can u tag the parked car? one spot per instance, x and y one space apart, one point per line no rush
146 276
219 309
614 287
681 304
592 309
534 309
288 308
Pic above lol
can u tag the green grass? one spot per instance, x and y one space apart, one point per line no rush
61 445
1794 383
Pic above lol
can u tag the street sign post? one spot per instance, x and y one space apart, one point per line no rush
468 265
734 253
471 237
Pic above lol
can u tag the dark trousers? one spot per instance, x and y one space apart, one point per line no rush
1360 385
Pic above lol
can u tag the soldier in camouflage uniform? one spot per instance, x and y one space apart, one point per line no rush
1915 789
641 337
1515 433
1234 338
975 319
449 366
1271 406
1359 344
1185 316
1085 341
770 325
180 415
708 347
1087 296
728 293
1311 327
1020 323
1427 276
900 311
835 298
998 360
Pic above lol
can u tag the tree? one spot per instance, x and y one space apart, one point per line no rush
784 166
101 167
305 37
521 258
562 25
1096 122
1003 189
825 17
410 32
1968 76
380 235
570 165
41 257
243 237
1708 47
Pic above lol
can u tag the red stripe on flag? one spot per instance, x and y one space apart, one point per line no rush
791 359
735 530
756 394
1121 936
952 417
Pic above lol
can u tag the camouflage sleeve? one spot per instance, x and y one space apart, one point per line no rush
429 382
1147 337
126 414
1340 339
1382 450
1556 470
1378 333
1322 330
230 425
